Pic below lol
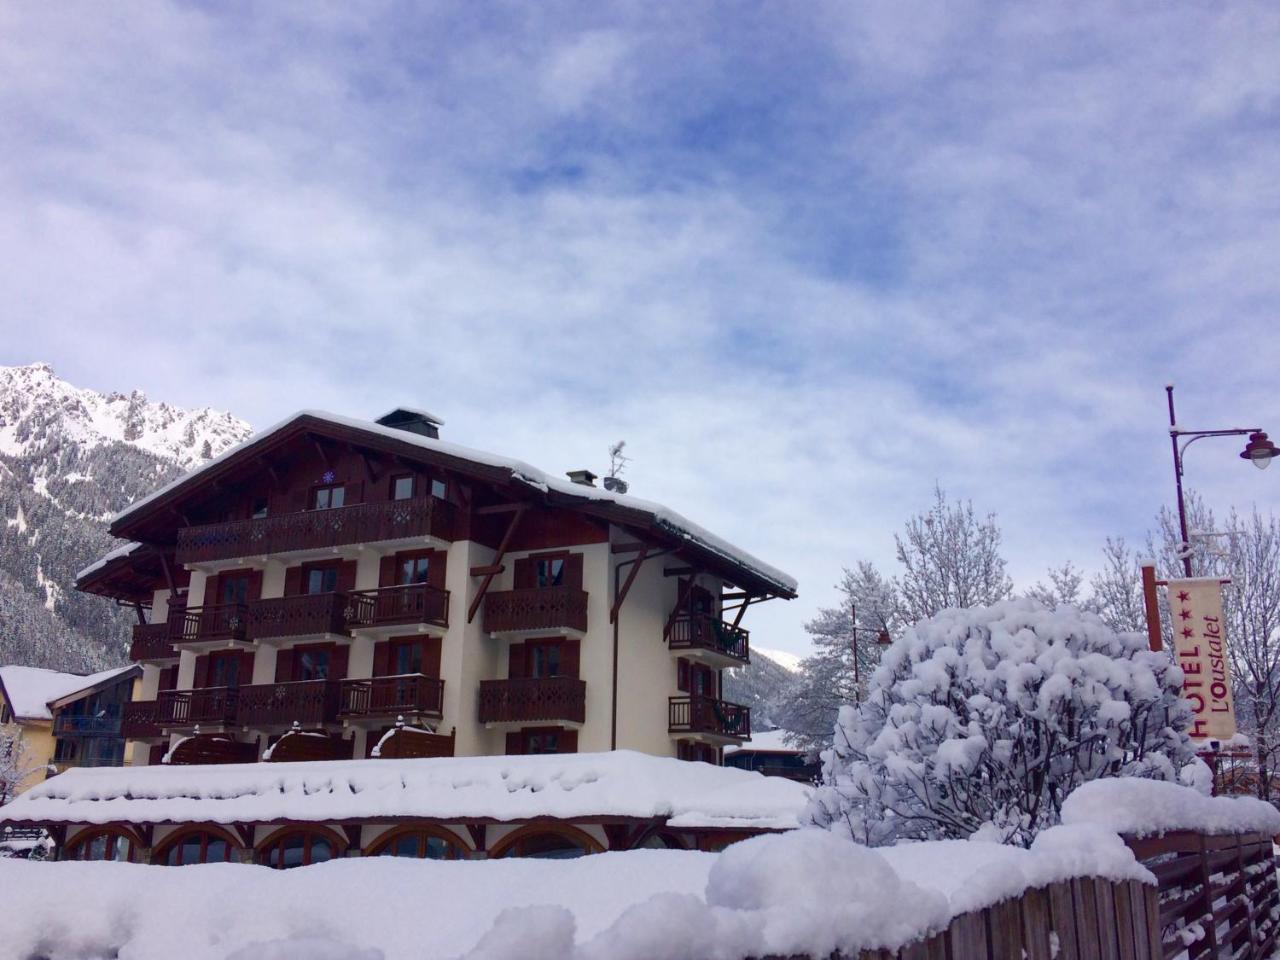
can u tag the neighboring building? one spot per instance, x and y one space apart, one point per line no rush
768 752
330 575
66 720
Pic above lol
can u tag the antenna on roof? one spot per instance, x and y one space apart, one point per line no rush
617 463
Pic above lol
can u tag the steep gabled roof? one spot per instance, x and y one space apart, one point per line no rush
30 691
620 508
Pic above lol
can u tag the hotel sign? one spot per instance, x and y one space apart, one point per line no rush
1199 638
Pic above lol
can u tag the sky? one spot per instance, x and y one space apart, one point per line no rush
808 259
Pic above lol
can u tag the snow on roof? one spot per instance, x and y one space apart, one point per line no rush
424 414
508 788
30 690
520 471
771 740
1143 808
102 561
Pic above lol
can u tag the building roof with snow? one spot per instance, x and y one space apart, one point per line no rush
765 741
29 691
619 785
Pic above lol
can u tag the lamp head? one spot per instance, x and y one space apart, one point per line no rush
1259 450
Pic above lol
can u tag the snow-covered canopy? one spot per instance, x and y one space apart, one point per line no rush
30 690
767 741
506 788
519 471
1144 808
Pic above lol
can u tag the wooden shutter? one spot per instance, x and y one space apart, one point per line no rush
168 679
255 585
573 571
284 666
436 571
515 743
339 656
570 658
347 576
682 674
431 657
516 665
387 571
245 670
382 658
567 741
292 581
212 593
525 574
202 672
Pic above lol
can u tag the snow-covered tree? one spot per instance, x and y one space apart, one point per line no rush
982 720
1063 588
15 761
1116 589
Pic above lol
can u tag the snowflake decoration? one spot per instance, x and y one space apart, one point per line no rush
328 477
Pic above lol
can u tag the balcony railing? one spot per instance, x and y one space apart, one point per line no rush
220 621
705 632
151 642
708 715
186 708
536 608
317 529
410 693
529 700
387 606
307 702
302 615
141 720
70 725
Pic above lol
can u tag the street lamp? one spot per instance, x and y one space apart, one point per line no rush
1259 451
882 639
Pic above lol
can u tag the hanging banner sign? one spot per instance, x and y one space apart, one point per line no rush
1199 639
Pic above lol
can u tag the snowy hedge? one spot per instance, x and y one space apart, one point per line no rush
981 721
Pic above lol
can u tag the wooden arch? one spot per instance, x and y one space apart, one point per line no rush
575 835
136 845
160 853
430 829
335 840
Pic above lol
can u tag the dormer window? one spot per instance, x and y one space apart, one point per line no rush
328 498
402 487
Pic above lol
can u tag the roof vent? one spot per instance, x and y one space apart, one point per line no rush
414 421
584 477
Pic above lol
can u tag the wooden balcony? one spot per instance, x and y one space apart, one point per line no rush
302 615
317 530
140 720
546 699
306 702
402 695
707 715
535 609
705 634
151 642
71 725
207 705
212 622
416 603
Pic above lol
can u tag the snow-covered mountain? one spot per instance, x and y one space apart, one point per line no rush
760 684
69 459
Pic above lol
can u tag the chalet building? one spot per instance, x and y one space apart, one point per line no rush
335 589
768 752
65 720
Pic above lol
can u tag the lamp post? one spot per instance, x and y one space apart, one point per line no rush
1259 451
882 639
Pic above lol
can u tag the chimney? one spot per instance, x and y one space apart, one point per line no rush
584 477
414 421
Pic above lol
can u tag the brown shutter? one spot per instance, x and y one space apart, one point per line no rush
436 571
431 657
387 571
525 573
284 666
516 663
293 581
212 594
382 658
570 658
682 674
168 679
573 571
202 672
567 741
255 585
339 656
515 743
245 670
347 576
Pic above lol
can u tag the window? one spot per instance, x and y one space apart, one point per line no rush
199 846
224 669
322 580
421 845
6 713
549 845
402 487
438 489
542 741
328 498
233 589
413 570
549 571
102 845
311 664
259 510
296 849
543 660
406 657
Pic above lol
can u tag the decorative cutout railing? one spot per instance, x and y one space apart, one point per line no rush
306 702
535 608
708 715
140 720
151 642
317 529
410 693
528 700
186 708
705 632
302 615
414 603
221 621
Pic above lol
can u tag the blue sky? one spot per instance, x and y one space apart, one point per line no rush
806 258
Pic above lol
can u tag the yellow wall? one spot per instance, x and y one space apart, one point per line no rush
37 738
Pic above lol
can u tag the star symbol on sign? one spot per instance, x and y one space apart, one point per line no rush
1185 614
1188 632
1184 596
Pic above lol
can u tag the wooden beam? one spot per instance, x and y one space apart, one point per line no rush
497 560
743 595
679 571
369 470
741 610
628 547
270 469
626 586
492 570
477 831
168 575
324 457
685 589
499 508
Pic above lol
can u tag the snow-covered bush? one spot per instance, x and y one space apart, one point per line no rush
981 721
